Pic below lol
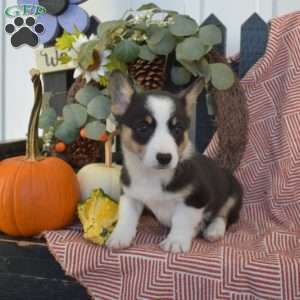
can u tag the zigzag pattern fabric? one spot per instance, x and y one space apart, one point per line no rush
259 257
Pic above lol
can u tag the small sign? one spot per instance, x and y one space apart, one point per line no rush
47 60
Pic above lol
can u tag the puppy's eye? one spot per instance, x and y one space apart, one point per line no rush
178 129
142 128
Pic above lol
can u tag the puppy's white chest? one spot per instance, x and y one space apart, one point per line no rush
149 191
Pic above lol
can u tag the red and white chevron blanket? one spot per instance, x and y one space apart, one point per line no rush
260 256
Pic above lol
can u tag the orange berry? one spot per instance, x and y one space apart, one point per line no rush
103 137
60 147
82 133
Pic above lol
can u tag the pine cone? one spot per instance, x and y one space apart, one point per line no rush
149 75
83 151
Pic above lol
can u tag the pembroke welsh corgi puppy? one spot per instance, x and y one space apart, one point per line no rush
185 190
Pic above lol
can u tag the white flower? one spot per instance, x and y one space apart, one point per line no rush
88 75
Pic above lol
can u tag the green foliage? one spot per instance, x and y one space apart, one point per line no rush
99 107
148 7
75 114
65 41
183 26
190 49
150 32
116 64
126 51
86 94
180 76
210 35
106 28
66 132
47 119
222 76
86 51
64 58
161 41
108 31
146 53
94 130
103 81
205 69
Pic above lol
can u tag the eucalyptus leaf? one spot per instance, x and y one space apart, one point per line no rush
86 94
107 27
152 29
47 118
99 107
205 69
94 130
222 76
146 54
67 132
210 35
75 114
126 51
85 56
183 26
161 42
148 6
190 49
191 66
156 34
180 76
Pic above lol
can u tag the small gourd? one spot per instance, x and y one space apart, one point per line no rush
98 215
98 175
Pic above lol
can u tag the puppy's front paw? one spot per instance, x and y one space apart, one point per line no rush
215 230
120 239
176 244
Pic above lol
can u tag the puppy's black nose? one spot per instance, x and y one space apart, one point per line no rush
164 158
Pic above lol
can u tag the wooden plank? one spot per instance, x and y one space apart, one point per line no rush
254 37
20 287
205 125
12 148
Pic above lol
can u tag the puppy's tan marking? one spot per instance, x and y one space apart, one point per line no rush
184 144
226 208
149 120
130 144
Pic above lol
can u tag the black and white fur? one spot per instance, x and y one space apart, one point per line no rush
186 191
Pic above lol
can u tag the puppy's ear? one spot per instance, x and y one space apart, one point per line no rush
191 94
121 92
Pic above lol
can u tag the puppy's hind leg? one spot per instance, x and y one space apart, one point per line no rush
217 227
215 230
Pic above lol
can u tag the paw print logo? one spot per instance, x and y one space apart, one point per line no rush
24 32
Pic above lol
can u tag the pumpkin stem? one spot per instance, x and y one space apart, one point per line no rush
32 146
108 152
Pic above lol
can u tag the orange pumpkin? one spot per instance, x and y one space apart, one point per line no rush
36 193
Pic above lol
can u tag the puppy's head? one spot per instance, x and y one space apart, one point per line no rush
154 125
